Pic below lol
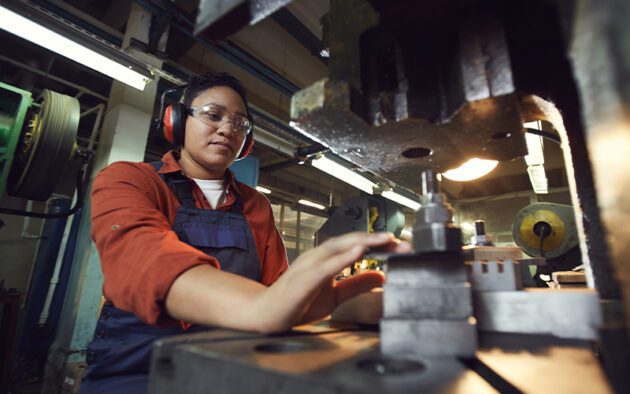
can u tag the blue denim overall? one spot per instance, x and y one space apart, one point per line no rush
120 353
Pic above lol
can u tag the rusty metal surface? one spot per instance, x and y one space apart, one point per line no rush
399 151
349 362
218 19
407 92
342 362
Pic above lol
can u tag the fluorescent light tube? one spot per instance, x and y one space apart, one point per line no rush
472 169
311 204
344 174
538 179
535 159
29 30
402 200
263 190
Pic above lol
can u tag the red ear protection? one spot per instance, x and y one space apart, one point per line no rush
247 146
174 127
174 123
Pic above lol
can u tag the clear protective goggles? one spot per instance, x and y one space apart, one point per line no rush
216 116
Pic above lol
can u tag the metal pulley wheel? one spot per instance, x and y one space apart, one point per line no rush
46 145
545 229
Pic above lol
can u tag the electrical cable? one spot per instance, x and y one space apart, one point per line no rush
78 205
544 134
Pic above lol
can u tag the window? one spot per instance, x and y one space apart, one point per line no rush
297 228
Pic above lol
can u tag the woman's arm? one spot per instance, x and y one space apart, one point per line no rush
208 296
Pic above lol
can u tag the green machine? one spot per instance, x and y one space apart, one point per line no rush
37 141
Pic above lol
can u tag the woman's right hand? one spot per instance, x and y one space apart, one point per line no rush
307 291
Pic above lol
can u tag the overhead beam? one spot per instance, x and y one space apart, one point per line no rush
299 32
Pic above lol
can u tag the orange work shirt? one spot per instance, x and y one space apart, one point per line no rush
132 211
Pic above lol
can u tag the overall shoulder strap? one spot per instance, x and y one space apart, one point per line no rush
237 206
178 184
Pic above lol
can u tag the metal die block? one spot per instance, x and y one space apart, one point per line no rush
452 302
429 269
495 275
448 338
436 237
567 313
492 253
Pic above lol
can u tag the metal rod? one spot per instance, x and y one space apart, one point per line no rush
229 51
429 182
95 129
91 110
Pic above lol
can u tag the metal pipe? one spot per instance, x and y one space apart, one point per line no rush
227 50
95 129
54 78
27 222
43 270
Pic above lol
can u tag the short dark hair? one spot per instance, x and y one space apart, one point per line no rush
201 83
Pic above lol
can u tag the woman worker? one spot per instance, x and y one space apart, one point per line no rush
184 246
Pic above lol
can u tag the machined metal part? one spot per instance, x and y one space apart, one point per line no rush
563 313
46 146
428 337
437 269
428 295
569 313
472 253
502 275
436 237
445 302
433 230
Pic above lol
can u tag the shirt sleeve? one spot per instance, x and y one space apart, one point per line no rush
140 254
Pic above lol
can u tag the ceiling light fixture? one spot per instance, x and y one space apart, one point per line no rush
263 190
472 169
311 204
535 159
400 199
106 60
343 173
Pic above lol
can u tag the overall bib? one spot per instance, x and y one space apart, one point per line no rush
119 356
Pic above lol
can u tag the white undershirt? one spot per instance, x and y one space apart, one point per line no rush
213 189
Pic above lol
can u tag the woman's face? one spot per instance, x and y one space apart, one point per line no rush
213 148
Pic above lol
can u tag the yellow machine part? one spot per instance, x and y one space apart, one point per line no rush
551 242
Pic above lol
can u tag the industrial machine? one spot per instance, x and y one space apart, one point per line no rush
417 85
547 231
364 213
449 322
37 142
